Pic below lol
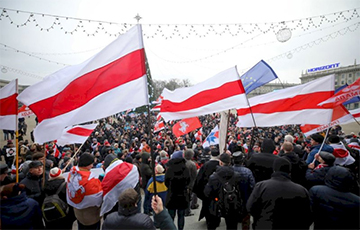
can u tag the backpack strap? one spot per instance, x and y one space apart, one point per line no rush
60 188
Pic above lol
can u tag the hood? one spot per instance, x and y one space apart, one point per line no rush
339 178
268 146
127 211
292 157
15 206
177 164
145 157
225 172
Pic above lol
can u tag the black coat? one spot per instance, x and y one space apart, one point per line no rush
316 177
127 219
298 167
261 165
279 203
201 180
33 187
20 212
177 179
334 206
50 189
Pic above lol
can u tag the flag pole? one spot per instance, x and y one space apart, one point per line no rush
227 128
17 134
137 17
63 170
255 126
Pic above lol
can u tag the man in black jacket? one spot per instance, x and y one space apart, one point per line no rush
279 203
33 182
213 190
202 179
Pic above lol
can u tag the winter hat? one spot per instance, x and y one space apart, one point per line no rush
177 154
35 164
317 137
282 165
109 159
327 157
334 139
207 150
215 152
239 157
159 169
3 168
268 145
86 159
225 158
55 173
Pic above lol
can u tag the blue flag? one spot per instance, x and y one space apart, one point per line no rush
352 100
258 75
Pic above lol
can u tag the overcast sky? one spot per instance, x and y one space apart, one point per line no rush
194 58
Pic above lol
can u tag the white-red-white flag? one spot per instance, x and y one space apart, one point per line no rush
198 135
343 95
294 105
8 106
24 111
118 177
77 134
342 155
340 115
156 108
159 125
356 115
112 81
222 92
185 126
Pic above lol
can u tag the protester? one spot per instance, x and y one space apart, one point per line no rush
84 193
33 182
188 155
177 180
334 206
146 173
279 203
17 210
316 175
202 179
342 155
316 141
4 177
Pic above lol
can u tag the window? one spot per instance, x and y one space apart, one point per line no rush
342 82
343 76
350 75
349 81
356 105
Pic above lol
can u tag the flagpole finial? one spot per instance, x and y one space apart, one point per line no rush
138 18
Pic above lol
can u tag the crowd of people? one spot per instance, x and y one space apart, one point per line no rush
276 175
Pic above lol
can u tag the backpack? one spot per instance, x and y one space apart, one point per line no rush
228 201
53 207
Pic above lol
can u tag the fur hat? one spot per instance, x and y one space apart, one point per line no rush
55 173
86 159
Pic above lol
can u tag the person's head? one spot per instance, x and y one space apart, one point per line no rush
128 199
36 168
326 158
109 159
316 139
3 171
39 156
239 157
177 154
188 154
159 169
86 160
11 190
207 150
334 139
215 152
289 138
225 159
268 146
288 147
282 165
55 173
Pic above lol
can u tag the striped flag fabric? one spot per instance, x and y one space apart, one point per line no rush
342 155
77 134
24 111
221 92
159 125
339 116
83 189
94 89
198 135
293 105
356 114
8 106
118 177
343 95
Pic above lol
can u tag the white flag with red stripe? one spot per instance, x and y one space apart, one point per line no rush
198 135
159 125
222 92
77 134
342 155
112 81
356 114
294 105
340 115
83 189
24 111
118 177
8 106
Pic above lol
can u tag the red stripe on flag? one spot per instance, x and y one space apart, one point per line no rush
8 105
117 174
80 131
204 97
299 102
85 88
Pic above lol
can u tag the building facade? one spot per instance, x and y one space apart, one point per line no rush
343 75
